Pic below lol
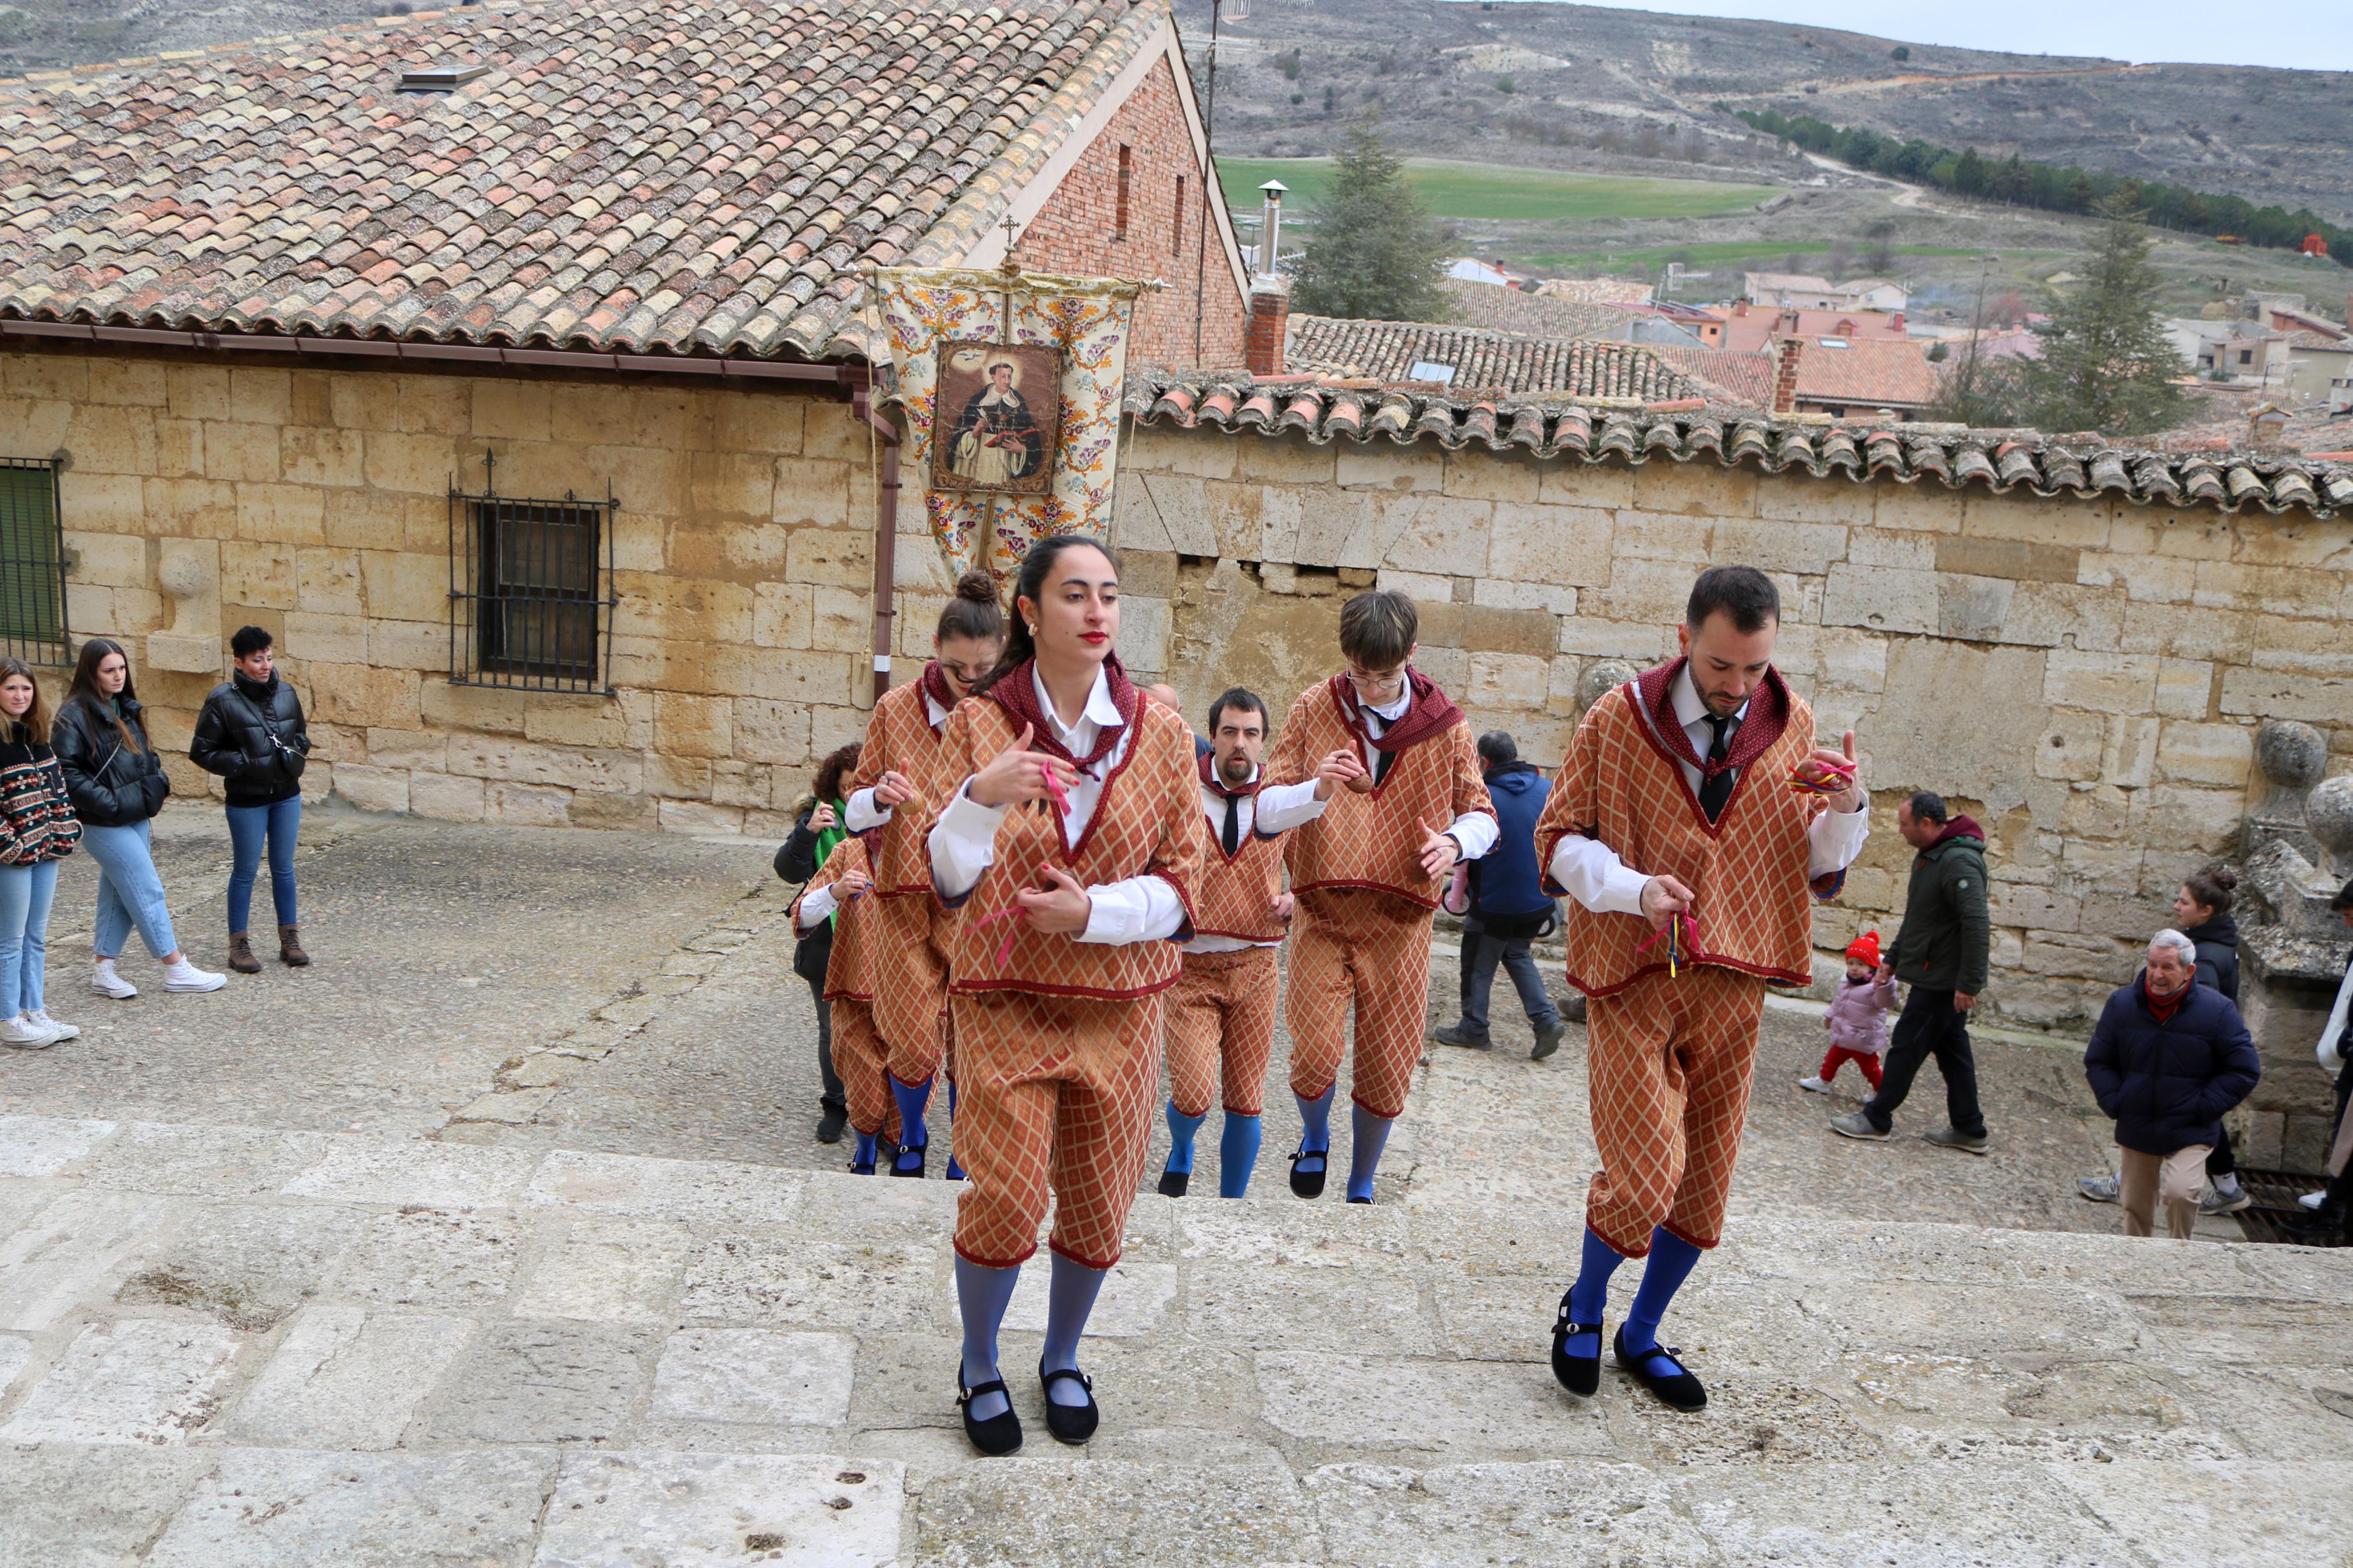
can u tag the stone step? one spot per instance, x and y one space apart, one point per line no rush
232 1346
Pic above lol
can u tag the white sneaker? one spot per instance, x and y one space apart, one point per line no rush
187 976
106 982
65 1031
1817 1085
2312 1200
25 1035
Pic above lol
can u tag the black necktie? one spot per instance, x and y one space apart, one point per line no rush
1715 788
1232 837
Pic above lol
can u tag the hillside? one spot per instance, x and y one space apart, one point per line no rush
1628 91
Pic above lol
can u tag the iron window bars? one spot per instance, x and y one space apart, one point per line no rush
32 563
531 591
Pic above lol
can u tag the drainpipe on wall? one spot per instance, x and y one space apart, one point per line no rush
860 381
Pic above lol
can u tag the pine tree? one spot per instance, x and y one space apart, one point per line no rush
2107 364
1371 251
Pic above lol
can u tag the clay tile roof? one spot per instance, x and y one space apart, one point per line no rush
1741 377
1535 315
656 175
1596 430
1881 373
1482 361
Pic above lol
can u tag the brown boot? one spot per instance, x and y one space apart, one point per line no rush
289 947
240 954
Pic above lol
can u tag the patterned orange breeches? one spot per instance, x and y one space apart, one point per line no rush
1360 946
1055 1095
1221 1026
858 1058
1669 1062
911 989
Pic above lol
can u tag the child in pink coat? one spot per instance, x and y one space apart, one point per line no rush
1858 1018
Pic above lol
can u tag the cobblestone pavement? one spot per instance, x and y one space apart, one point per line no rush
618 1310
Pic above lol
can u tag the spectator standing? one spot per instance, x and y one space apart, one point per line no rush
817 828
116 783
2202 911
1941 952
252 733
1505 906
2327 1225
2167 1058
36 830
1857 1018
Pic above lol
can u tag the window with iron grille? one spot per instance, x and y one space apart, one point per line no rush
32 563
530 592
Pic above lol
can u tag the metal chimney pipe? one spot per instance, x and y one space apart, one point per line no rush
1270 227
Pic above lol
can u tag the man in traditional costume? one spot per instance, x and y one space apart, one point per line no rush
1221 1011
1367 875
892 795
995 440
1692 817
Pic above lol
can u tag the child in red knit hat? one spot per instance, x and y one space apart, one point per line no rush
1858 1018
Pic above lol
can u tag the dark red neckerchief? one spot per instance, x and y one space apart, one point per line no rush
1016 692
1769 715
1207 762
2162 1008
936 687
1430 712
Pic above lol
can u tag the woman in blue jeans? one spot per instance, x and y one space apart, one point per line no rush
36 830
117 786
251 732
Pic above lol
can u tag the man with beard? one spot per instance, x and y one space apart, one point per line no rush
995 440
1220 1014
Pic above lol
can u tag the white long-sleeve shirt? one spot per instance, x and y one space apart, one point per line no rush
1475 831
962 843
1594 875
862 813
1277 808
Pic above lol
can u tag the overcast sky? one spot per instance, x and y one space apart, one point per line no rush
2308 35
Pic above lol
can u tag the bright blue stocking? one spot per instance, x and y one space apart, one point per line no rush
1181 1129
863 1160
1371 1135
1070 1296
1316 1129
1237 1156
914 1137
982 1296
956 1172
1671 1264
1589 1298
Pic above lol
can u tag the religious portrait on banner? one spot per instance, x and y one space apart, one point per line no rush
1006 402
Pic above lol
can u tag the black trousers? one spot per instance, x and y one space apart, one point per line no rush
1930 1027
832 1097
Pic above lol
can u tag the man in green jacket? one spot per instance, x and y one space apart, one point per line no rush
1940 953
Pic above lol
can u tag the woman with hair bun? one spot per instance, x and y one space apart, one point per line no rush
892 797
2201 912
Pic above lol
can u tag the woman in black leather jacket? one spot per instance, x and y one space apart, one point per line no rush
251 732
116 783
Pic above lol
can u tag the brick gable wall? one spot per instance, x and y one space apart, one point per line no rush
1078 230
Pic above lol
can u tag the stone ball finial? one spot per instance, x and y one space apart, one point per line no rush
181 575
1600 677
2291 755
2328 813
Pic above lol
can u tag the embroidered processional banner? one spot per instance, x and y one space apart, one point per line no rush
1011 383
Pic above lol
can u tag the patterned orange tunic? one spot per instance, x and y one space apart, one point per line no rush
1238 891
859 1055
911 1004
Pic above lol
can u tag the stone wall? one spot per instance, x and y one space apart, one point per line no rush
2084 678
317 500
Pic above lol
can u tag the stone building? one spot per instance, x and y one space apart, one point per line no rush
510 364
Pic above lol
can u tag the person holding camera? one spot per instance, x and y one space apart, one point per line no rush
252 733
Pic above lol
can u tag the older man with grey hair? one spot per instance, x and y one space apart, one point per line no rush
2168 1058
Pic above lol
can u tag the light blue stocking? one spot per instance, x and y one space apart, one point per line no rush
1071 1297
1237 1156
1371 1135
914 1137
1316 1129
1671 1258
1589 1298
982 1296
1181 1129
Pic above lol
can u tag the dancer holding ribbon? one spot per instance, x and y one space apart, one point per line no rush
1073 833
1689 886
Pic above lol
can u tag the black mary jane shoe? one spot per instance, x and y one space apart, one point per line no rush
1310 1184
1580 1374
1360 1200
920 1151
1173 1184
1073 1424
1657 1370
1001 1433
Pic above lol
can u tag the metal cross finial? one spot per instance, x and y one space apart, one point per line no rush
1009 267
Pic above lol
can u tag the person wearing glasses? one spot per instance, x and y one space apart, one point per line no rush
1367 875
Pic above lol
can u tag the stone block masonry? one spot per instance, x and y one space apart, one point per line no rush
2084 678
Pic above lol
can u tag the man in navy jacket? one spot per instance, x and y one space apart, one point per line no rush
1507 907
2169 1057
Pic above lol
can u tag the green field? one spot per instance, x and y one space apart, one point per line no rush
1642 261
1495 191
